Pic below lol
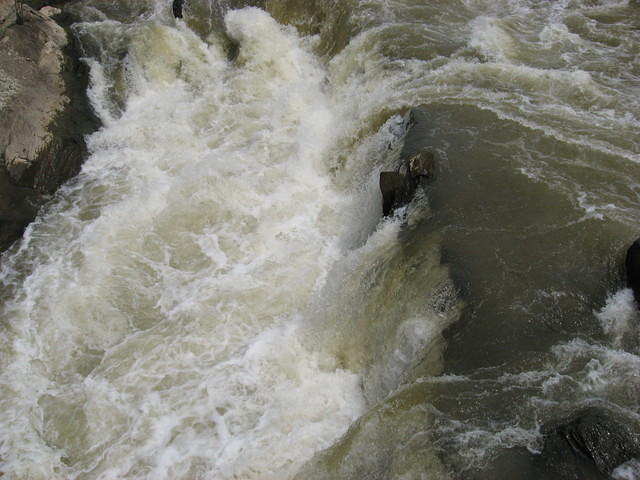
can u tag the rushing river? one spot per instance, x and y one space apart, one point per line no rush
217 295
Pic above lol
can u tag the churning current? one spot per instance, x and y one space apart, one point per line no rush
218 296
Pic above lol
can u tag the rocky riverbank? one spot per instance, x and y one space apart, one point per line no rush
44 112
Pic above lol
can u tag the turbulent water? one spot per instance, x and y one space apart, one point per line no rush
217 295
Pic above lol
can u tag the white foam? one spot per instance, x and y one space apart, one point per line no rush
617 314
555 33
476 446
491 39
598 370
591 209
167 286
627 471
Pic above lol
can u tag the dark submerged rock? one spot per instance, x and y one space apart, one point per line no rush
391 186
587 446
632 267
177 8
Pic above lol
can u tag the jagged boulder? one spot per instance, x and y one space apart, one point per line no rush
44 113
587 446
398 188
31 62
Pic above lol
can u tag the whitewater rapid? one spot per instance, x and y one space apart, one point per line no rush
217 295
164 311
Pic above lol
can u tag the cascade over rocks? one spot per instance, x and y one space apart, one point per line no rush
416 169
44 113
587 446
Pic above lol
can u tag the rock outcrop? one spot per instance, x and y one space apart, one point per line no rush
44 113
417 168
588 446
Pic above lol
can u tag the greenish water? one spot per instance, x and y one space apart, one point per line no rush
216 296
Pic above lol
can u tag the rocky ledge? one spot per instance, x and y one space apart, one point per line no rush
44 112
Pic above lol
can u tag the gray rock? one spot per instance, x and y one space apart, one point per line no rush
44 112
32 57
7 15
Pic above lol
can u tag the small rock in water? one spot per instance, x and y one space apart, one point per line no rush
177 8
398 188
589 446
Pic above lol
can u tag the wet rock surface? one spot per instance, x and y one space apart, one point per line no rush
417 168
588 445
44 112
